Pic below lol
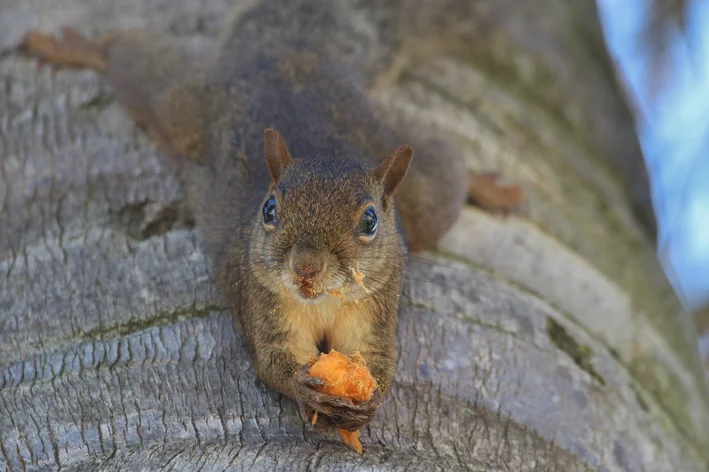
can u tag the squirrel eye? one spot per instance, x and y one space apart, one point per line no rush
368 223
269 211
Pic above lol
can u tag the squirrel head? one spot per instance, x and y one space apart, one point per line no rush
326 228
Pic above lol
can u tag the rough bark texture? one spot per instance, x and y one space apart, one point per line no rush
548 341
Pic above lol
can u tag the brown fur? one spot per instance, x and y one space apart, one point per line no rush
208 108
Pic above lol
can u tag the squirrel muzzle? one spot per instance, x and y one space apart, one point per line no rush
308 267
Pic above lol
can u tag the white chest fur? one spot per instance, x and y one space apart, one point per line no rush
343 326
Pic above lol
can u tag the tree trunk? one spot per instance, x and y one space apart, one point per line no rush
548 340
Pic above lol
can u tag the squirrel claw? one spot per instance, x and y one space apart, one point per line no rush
355 419
71 51
340 412
303 377
306 412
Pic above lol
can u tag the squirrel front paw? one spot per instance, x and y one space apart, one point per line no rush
341 412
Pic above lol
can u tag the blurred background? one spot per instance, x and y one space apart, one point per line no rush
665 71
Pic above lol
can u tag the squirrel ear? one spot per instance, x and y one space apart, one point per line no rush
393 169
277 155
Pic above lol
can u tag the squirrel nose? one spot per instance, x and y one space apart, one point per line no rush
308 264
308 270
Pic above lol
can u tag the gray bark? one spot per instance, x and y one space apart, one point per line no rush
545 341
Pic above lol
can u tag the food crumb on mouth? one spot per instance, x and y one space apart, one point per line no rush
358 276
305 287
337 293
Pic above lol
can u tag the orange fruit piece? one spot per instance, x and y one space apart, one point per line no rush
344 376
351 438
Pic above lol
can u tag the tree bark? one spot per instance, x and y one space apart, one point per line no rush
548 340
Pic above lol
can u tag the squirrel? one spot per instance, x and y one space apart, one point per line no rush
307 250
